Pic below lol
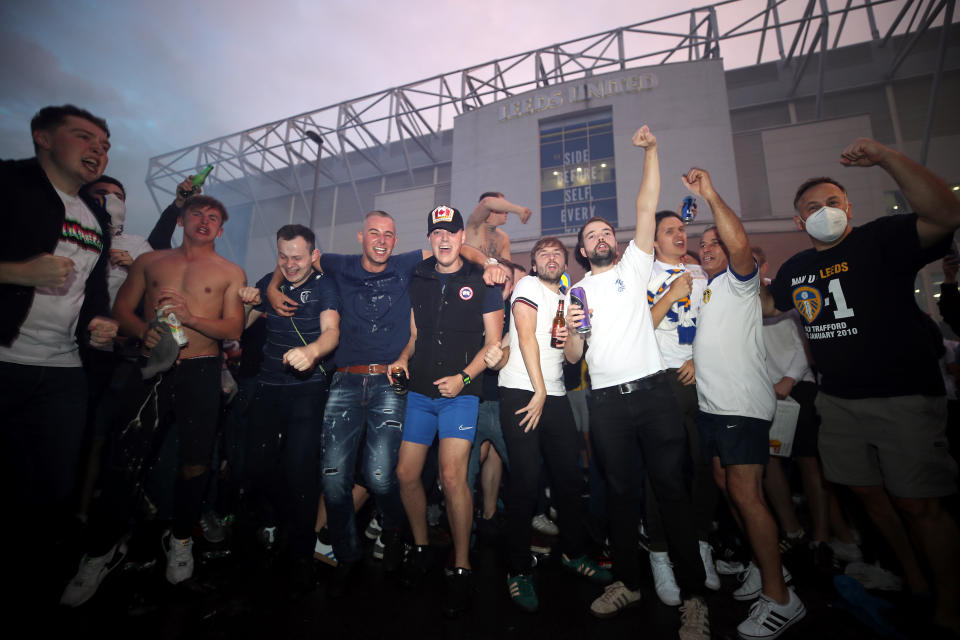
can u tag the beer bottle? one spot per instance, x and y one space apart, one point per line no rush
196 181
558 322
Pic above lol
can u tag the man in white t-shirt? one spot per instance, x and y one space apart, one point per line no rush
537 422
632 405
737 405
53 295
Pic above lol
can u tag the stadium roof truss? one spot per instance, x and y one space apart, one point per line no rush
792 33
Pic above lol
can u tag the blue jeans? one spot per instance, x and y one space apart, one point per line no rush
362 410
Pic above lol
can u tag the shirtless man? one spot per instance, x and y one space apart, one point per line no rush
491 212
202 289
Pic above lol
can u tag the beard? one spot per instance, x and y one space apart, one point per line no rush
602 260
544 277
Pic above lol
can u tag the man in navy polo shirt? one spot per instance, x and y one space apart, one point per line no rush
452 312
285 420
363 408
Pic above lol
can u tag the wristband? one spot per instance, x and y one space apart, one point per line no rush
465 377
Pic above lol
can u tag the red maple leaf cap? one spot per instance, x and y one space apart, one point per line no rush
444 217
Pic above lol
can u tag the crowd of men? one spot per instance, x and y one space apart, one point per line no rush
369 359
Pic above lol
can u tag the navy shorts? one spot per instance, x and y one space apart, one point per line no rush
734 439
450 417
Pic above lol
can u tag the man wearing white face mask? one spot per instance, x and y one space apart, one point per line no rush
124 247
882 398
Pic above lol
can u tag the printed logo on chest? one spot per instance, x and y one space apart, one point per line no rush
808 302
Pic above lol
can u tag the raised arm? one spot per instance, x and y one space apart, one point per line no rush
492 203
936 206
729 228
649 193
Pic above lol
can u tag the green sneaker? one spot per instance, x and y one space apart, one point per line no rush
522 593
586 567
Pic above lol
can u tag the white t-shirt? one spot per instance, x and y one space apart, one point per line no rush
47 334
682 313
533 293
622 345
785 355
728 351
136 246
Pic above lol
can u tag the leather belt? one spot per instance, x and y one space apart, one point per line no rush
365 369
640 384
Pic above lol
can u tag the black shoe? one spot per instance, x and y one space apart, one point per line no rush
490 528
459 592
415 566
393 548
340 581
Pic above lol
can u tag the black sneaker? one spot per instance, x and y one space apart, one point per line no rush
340 581
415 566
459 594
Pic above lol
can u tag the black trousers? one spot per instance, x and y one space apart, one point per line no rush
555 440
704 491
283 459
646 417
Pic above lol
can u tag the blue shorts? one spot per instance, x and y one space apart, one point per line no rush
451 417
734 439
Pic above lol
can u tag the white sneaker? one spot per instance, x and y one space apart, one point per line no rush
542 524
324 553
664 582
846 551
91 573
752 584
729 567
769 619
615 597
179 557
712 580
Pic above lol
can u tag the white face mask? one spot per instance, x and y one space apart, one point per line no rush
826 224
117 209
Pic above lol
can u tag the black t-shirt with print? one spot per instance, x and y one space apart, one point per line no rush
857 303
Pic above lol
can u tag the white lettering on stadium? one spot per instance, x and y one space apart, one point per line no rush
578 93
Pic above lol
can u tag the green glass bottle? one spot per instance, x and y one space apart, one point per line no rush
196 181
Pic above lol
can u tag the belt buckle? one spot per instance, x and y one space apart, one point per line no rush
629 387
371 369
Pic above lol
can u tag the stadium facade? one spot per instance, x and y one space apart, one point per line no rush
551 129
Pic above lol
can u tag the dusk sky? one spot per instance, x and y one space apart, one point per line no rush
168 75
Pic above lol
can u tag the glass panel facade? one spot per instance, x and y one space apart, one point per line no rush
577 173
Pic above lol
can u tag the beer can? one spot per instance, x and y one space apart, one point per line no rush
176 328
398 380
688 212
579 297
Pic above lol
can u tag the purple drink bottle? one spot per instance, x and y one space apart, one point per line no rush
579 297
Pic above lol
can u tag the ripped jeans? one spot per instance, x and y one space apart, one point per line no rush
361 410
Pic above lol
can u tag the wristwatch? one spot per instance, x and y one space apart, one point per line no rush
466 378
